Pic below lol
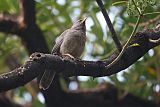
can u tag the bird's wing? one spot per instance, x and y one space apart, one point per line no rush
46 79
58 43
49 75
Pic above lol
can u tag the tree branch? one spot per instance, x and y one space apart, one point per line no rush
27 11
147 23
38 61
108 21
127 43
106 95
24 25
20 76
8 23
16 24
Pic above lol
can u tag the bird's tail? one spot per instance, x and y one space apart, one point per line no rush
47 79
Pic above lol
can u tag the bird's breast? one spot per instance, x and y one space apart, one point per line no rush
73 44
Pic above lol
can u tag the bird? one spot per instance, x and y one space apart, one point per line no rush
70 43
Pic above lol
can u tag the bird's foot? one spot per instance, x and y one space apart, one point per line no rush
68 56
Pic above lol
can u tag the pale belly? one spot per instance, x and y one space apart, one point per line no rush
73 46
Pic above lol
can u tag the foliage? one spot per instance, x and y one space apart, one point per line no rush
140 4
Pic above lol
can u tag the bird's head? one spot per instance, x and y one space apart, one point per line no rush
80 24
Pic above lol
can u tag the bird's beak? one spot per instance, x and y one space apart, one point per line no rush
84 20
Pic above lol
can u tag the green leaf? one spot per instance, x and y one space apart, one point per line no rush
119 3
135 44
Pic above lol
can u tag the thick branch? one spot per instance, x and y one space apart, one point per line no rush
8 23
15 24
106 95
38 62
20 76
27 11
24 25
108 21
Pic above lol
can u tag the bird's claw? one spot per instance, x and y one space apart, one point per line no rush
68 56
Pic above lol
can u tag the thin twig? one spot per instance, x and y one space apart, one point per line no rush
108 21
151 13
155 41
139 11
147 23
126 45
130 38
